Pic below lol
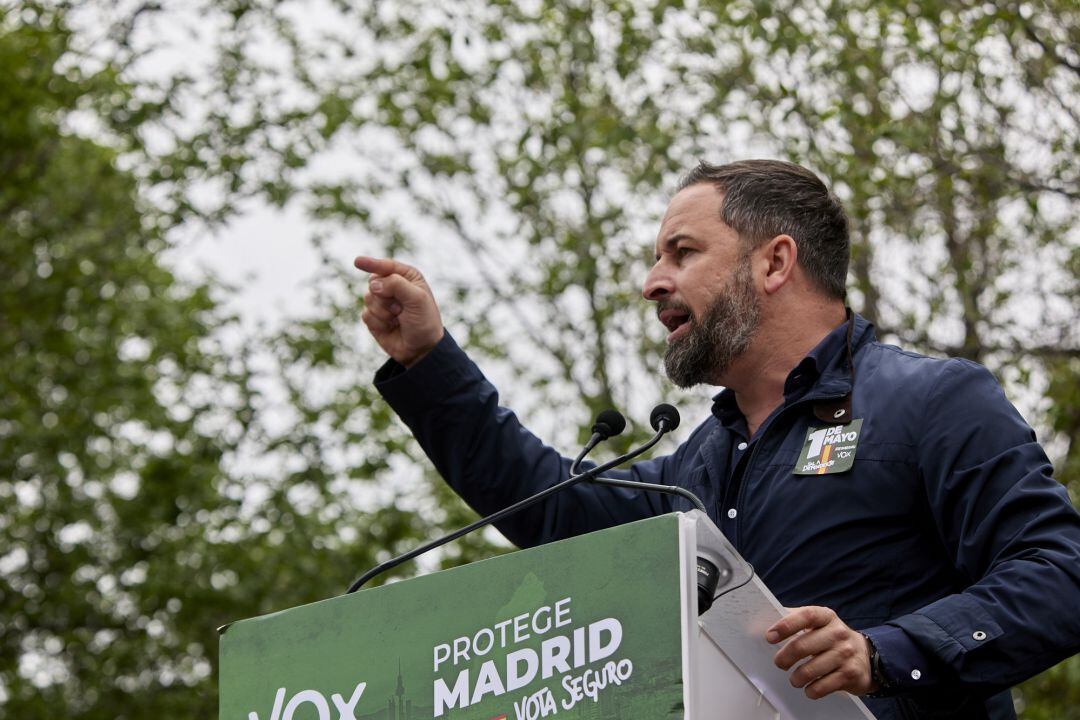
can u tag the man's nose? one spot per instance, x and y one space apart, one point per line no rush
658 283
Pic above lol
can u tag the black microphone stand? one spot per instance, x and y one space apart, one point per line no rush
664 427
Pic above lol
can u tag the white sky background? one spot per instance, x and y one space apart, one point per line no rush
266 254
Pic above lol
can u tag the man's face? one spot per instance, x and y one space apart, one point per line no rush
703 288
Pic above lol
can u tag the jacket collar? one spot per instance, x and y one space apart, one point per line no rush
826 376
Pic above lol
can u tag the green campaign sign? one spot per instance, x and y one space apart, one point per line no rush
586 628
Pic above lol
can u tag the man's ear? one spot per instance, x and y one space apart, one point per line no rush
779 255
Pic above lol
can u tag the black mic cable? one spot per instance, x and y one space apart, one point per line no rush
653 487
662 426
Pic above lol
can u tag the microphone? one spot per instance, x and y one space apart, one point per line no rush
664 415
609 425
664 418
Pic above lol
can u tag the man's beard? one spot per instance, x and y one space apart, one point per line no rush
723 334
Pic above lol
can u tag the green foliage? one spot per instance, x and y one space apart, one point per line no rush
103 479
163 472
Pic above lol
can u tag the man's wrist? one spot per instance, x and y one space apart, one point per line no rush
904 665
881 683
410 360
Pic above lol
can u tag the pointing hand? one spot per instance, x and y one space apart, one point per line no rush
400 310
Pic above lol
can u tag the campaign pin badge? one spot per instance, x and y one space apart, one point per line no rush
829 450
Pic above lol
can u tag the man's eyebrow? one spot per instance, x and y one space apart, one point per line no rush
669 243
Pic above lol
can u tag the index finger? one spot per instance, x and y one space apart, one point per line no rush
798 619
386 266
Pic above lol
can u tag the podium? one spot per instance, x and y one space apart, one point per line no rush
600 626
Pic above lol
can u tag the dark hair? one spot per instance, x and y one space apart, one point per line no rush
766 198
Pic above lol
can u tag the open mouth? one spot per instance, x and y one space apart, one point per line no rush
676 320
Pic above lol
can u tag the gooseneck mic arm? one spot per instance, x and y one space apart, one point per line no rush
653 487
662 428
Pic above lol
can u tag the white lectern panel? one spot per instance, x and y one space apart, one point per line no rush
728 664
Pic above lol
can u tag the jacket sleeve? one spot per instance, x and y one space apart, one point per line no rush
1012 534
491 461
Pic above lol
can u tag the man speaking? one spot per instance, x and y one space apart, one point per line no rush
898 503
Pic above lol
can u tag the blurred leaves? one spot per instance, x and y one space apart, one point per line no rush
161 472
164 471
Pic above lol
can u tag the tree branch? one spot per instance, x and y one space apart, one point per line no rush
1029 30
479 253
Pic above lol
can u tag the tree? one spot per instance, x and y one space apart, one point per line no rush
149 488
952 132
522 152
539 142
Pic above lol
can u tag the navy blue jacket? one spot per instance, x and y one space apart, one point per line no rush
948 542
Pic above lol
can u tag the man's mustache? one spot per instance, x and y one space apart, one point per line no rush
663 305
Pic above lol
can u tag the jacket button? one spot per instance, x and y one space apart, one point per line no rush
979 635
916 674
742 446
732 513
